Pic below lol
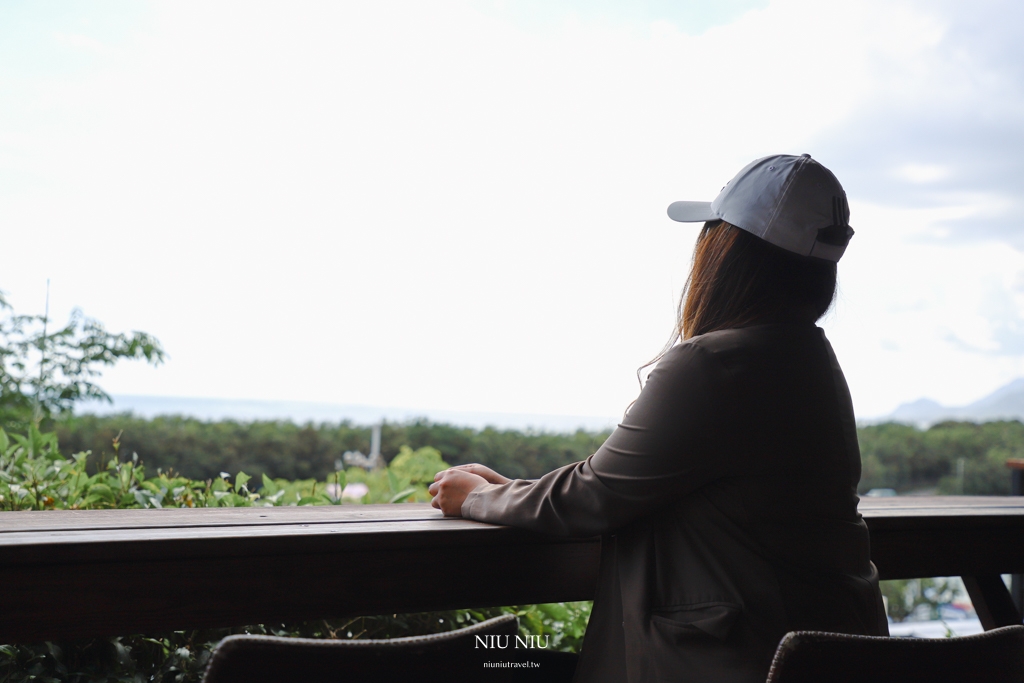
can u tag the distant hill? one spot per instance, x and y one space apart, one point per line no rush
1005 403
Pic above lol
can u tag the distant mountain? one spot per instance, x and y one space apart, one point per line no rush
921 410
1005 403
246 410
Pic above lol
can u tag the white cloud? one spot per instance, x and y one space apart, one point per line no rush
81 42
921 173
919 318
402 203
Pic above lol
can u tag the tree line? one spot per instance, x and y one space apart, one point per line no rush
950 457
947 458
201 450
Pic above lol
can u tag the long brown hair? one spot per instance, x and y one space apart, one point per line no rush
739 280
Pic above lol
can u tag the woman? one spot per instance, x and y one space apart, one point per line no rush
727 496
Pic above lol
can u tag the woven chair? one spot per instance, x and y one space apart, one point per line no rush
995 656
446 657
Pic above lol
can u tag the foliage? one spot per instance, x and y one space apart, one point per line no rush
564 622
201 450
43 372
170 659
181 656
404 480
893 455
34 475
906 458
919 597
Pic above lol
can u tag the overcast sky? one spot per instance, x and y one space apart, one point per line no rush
461 205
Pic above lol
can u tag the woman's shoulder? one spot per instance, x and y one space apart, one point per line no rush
779 336
743 355
733 350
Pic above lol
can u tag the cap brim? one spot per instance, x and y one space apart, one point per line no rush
691 212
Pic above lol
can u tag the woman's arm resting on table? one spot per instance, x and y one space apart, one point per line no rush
665 447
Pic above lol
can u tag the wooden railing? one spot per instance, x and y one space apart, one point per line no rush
68 574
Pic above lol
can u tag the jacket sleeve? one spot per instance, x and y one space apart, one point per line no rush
669 444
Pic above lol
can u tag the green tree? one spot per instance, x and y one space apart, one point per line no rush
45 371
947 458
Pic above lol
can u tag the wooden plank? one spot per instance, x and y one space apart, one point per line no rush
916 537
73 548
122 573
888 509
70 520
991 601
937 502
938 551
169 593
896 512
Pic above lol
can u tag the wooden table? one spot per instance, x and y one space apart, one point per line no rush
977 538
67 574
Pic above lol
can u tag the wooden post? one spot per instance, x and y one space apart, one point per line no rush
991 601
1016 466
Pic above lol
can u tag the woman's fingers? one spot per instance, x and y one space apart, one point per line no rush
487 473
472 469
450 490
433 489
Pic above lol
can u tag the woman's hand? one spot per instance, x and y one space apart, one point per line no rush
487 473
450 489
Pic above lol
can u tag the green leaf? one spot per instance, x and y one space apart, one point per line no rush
555 610
269 487
418 466
241 479
102 492
401 496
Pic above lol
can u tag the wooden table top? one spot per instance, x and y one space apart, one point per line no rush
228 566
55 536
894 507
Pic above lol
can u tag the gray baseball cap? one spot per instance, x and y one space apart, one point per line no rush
792 202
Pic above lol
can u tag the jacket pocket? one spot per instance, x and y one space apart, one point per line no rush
713 619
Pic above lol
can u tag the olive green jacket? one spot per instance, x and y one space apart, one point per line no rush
727 501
